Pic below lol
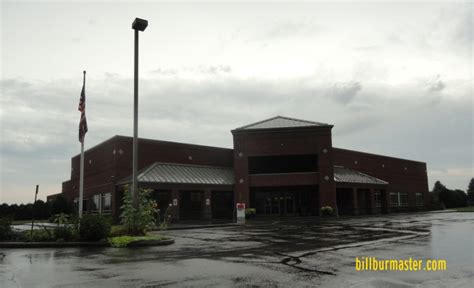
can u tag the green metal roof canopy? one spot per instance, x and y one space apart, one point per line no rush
346 175
174 173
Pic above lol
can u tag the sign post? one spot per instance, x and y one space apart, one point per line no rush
33 213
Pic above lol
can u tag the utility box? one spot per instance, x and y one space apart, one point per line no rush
240 213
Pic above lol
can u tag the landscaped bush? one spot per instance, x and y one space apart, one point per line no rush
117 230
327 211
67 228
65 233
250 213
138 221
39 235
94 227
6 232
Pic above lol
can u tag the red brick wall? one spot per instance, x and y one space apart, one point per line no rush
284 142
111 161
403 175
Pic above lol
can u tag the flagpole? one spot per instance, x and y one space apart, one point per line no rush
81 176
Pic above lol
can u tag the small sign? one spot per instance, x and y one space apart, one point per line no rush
175 202
240 213
208 201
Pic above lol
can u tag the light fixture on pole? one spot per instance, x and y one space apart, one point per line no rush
138 25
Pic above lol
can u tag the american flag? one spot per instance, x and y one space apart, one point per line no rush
82 109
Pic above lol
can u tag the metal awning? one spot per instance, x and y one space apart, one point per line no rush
346 175
175 173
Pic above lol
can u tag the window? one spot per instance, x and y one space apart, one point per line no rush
419 199
393 199
96 203
378 199
106 202
403 199
283 164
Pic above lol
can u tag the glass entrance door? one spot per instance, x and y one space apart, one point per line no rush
278 203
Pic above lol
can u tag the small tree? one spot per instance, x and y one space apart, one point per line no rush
438 187
138 221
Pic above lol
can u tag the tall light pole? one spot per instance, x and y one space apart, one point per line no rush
138 25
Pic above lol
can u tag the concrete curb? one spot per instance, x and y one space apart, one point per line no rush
140 243
53 244
198 226
145 243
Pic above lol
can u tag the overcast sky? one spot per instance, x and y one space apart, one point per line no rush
393 79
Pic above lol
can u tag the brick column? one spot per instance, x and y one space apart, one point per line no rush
355 201
175 208
327 186
206 213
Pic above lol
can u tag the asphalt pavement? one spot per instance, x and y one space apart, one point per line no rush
292 252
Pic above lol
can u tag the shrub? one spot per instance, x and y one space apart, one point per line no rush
250 212
65 233
117 230
327 211
94 227
138 221
6 232
38 235
67 227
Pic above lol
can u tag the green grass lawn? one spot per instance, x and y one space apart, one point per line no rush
123 241
465 209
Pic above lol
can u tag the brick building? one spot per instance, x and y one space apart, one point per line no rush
280 166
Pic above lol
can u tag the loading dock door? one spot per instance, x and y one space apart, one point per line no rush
222 204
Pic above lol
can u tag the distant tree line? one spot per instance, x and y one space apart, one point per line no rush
448 198
470 192
42 210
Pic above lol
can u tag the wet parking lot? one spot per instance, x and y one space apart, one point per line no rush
301 252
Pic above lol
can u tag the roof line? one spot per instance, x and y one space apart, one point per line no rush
147 169
380 155
279 116
174 142
148 139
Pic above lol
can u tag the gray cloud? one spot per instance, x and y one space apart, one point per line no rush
39 127
198 70
291 29
345 92
373 79
435 84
